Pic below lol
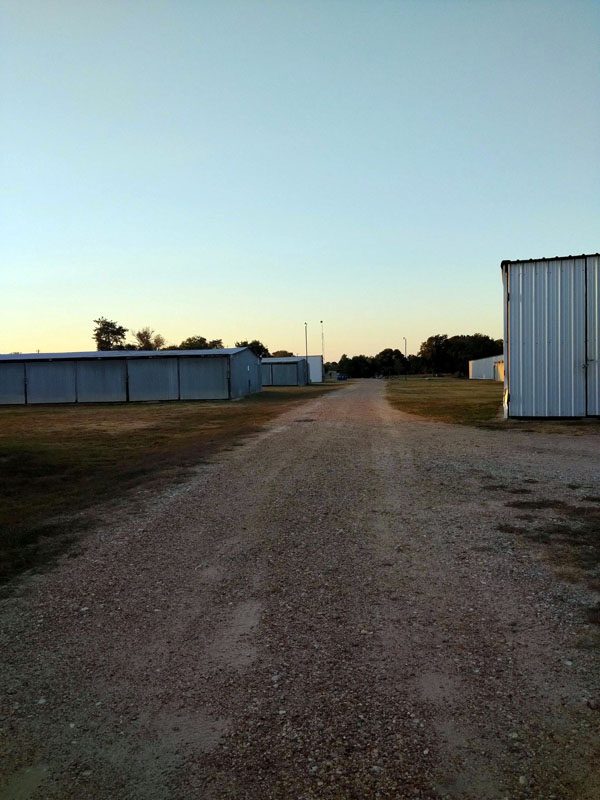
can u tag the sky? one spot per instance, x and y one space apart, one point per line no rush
234 169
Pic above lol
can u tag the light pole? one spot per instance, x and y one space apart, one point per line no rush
322 342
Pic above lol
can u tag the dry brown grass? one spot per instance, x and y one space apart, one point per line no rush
447 399
57 460
476 402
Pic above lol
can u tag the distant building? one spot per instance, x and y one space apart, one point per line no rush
118 376
288 371
487 369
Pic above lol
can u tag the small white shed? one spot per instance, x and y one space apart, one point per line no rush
552 336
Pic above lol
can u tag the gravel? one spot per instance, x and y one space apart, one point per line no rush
329 611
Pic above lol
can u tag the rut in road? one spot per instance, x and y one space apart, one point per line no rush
330 611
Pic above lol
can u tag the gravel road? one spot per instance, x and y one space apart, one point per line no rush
339 608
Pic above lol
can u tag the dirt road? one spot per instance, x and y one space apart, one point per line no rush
341 608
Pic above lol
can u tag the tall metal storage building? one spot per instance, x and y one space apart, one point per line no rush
289 371
552 337
117 376
316 372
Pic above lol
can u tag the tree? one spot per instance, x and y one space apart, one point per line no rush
390 362
282 354
415 364
344 365
146 339
434 353
362 367
462 349
257 347
357 366
200 343
442 354
109 335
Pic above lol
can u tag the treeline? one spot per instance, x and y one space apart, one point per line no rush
440 354
109 335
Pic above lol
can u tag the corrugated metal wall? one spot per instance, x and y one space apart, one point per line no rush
485 368
101 381
12 383
91 380
546 375
593 335
203 378
266 375
153 378
315 369
51 381
245 373
285 374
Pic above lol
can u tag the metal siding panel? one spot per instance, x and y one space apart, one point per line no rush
315 365
513 343
246 377
203 378
51 382
483 368
593 336
12 383
153 379
285 374
266 375
101 381
546 339
256 382
303 373
579 340
505 286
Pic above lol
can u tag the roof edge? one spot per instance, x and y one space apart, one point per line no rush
508 261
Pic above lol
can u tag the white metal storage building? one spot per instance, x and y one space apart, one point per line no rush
289 371
488 369
315 368
118 376
552 336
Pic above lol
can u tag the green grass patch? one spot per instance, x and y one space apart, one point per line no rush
55 461
447 399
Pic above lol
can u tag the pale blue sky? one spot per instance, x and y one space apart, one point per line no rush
234 169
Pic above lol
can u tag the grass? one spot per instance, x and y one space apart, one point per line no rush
55 461
447 399
477 403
